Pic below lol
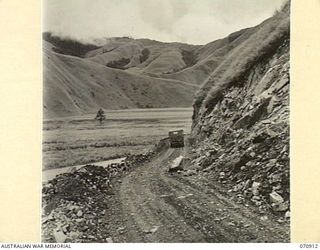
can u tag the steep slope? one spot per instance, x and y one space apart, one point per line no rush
209 56
74 85
241 118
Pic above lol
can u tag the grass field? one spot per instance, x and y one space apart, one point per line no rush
80 139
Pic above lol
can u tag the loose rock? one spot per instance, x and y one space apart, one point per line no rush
276 198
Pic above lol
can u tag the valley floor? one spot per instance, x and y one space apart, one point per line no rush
82 140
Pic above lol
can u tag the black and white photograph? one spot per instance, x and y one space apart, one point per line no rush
165 121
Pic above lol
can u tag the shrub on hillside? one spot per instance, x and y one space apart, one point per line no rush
189 57
144 55
119 64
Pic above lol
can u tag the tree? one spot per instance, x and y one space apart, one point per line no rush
100 116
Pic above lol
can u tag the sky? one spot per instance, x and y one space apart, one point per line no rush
188 21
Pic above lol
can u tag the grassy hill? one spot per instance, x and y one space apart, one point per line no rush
73 85
142 56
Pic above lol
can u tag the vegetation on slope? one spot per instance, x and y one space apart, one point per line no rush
189 57
119 64
68 46
144 55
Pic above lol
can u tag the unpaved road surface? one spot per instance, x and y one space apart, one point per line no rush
151 205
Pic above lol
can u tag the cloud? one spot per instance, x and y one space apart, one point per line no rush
190 21
161 14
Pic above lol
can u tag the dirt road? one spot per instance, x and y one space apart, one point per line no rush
151 205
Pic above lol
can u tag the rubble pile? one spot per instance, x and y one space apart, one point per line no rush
243 142
74 204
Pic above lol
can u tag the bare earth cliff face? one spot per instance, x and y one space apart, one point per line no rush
241 119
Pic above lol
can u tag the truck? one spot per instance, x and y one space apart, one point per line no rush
176 139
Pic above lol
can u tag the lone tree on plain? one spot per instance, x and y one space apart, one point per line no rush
100 116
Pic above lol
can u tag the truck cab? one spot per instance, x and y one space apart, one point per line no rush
176 138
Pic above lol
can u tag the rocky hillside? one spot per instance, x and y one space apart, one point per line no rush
241 117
